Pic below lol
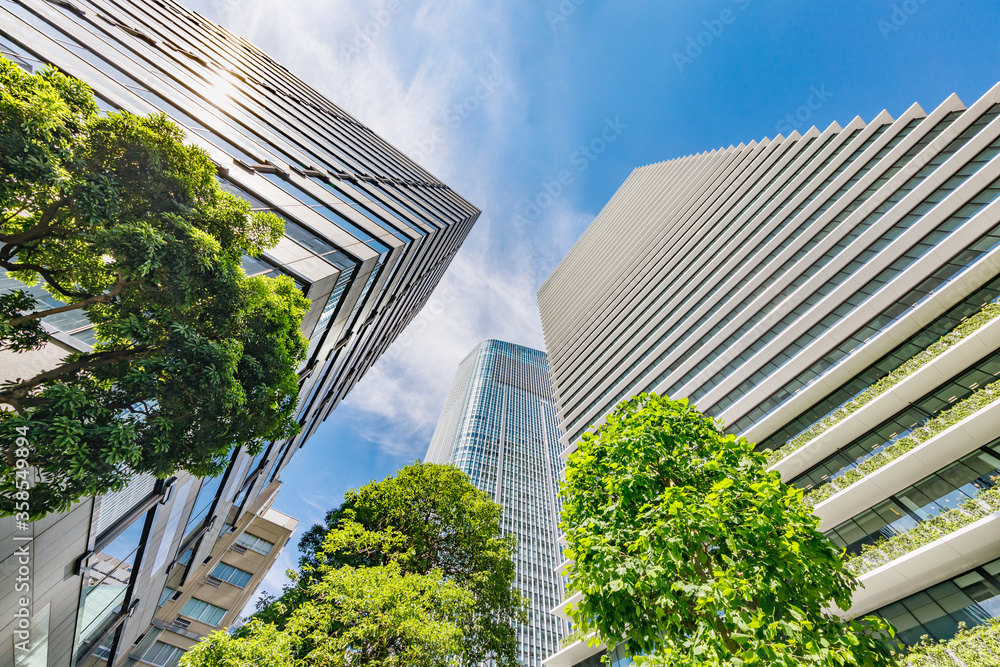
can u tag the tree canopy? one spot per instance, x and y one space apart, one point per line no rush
433 518
688 552
113 216
262 646
373 616
408 571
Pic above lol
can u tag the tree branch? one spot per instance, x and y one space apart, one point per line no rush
43 225
89 301
15 215
720 626
15 395
44 273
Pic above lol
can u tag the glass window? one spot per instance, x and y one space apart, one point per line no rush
106 578
12 51
939 492
327 212
972 598
162 655
232 575
96 658
901 424
203 611
165 595
255 543
293 230
206 497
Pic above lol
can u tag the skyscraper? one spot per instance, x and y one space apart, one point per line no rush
797 288
140 574
499 427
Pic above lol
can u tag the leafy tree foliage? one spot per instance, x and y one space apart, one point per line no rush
261 646
373 616
411 570
115 217
688 552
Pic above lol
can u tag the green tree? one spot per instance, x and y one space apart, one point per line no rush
260 645
377 616
424 532
115 217
688 552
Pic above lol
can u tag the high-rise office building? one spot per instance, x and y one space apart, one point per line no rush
137 576
796 289
499 426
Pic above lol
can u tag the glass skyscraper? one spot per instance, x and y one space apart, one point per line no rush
499 426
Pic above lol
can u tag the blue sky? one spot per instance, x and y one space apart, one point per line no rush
499 98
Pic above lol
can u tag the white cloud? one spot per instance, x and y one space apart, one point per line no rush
405 390
435 80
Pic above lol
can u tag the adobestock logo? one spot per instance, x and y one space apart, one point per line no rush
459 112
714 28
566 9
365 35
531 209
901 13
800 118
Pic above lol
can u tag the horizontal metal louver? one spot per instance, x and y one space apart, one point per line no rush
117 504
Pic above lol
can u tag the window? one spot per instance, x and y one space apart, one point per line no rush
204 502
165 595
972 598
105 579
162 655
901 424
254 543
232 575
939 492
203 611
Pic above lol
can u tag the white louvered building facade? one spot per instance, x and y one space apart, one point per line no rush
774 283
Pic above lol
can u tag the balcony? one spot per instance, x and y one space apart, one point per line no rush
931 564
574 653
918 376
949 445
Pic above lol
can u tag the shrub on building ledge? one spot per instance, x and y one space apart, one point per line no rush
886 550
971 647
945 420
967 327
